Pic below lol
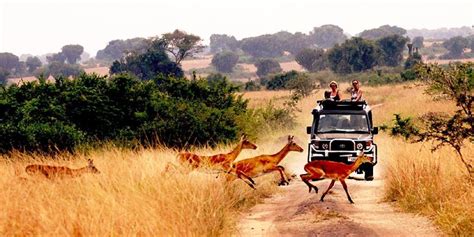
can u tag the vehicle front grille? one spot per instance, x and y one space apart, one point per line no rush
342 145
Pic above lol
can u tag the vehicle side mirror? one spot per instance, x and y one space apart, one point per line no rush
375 130
308 130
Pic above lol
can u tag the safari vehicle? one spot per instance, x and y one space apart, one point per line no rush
340 130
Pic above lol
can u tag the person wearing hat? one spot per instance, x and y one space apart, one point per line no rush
334 94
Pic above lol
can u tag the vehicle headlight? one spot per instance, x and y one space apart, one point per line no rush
368 144
359 146
325 146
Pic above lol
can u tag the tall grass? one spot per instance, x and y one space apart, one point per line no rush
135 194
433 184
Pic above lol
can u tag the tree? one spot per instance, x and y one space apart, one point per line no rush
72 52
225 61
456 46
456 83
58 69
181 44
418 42
57 57
32 63
311 59
264 46
326 36
219 43
382 31
297 42
150 64
3 75
9 62
267 66
392 49
354 55
116 49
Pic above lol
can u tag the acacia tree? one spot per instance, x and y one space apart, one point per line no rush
181 44
72 52
456 83
149 64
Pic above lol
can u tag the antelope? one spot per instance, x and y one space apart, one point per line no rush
320 169
217 161
263 164
50 171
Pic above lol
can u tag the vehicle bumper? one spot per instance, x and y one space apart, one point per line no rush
340 156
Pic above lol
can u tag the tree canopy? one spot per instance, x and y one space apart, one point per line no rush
354 55
382 31
326 36
9 62
72 52
181 44
147 65
116 49
219 43
267 66
311 59
32 63
392 49
225 61
456 46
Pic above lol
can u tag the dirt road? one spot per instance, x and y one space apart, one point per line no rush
295 212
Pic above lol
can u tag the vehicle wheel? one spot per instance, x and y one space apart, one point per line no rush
369 172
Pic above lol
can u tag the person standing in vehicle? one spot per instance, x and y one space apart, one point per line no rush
356 92
335 94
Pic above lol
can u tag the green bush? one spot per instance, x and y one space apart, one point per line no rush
279 81
175 112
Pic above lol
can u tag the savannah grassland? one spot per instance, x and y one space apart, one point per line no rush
136 195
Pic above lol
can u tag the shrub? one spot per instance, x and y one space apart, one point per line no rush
172 111
279 81
252 86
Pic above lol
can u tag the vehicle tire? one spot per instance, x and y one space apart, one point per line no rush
369 172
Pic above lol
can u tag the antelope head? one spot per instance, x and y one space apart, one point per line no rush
246 144
292 146
363 158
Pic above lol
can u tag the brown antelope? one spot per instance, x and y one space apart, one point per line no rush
263 164
220 161
332 170
50 171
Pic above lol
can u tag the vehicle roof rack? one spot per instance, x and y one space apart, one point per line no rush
342 104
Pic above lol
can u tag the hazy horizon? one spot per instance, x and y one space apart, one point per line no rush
40 27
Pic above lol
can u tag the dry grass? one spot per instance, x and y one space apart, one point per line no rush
133 195
433 184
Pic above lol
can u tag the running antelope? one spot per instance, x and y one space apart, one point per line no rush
221 161
50 171
263 164
332 170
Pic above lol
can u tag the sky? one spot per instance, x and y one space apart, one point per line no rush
44 26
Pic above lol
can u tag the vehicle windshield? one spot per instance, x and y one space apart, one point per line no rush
351 123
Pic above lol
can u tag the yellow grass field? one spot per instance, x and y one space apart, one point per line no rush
136 195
